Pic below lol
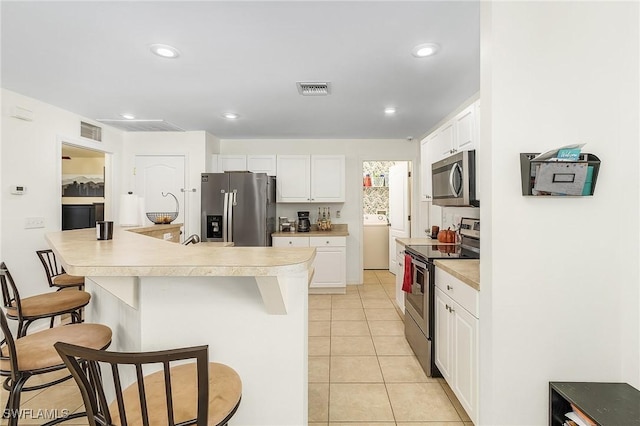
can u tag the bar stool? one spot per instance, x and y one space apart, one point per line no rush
196 393
56 275
46 305
32 355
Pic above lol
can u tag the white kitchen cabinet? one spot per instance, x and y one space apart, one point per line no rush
428 155
262 164
330 264
465 129
290 242
456 338
400 276
232 163
256 163
443 334
310 178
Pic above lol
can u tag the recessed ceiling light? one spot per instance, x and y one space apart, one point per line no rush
165 51
230 115
128 116
425 49
390 110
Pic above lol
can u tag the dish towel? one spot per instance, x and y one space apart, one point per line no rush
408 278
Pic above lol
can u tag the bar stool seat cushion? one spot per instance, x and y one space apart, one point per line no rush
225 391
36 351
44 304
66 280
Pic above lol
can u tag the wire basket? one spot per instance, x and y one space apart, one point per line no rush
164 218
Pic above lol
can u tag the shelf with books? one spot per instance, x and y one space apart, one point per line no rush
593 404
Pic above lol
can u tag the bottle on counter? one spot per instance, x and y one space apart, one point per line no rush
323 225
319 221
328 218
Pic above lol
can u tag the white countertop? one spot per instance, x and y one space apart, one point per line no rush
133 254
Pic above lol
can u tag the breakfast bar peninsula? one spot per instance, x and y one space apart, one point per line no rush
249 304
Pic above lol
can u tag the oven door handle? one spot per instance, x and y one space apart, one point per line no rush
418 263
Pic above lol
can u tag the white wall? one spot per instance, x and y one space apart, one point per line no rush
356 151
31 152
559 293
196 146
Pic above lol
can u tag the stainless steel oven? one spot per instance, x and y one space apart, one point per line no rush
418 316
419 303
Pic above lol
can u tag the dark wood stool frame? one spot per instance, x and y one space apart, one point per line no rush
11 299
84 365
54 269
16 379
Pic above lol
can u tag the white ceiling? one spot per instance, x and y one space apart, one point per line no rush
93 58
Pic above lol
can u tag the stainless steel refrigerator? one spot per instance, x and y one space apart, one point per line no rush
238 207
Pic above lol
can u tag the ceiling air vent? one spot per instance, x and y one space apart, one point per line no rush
141 125
90 131
313 88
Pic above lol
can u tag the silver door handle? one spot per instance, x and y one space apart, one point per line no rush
449 287
225 218
232 202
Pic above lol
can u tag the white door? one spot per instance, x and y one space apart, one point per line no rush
158 174
399 209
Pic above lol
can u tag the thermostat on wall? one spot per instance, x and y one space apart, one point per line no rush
18 189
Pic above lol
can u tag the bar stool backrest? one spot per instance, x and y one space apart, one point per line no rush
10 295
91 373
51 265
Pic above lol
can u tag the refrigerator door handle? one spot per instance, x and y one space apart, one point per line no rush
232 202
225 218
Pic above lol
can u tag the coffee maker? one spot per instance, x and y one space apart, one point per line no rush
304 224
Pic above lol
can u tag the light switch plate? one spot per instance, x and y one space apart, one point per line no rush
34 222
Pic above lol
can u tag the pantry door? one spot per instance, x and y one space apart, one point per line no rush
399 209
158 174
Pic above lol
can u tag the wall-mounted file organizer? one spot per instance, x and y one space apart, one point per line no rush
559 178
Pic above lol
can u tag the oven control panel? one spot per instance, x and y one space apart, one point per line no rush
470 227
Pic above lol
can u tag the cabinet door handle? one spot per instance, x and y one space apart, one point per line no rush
449 287
446 307
327 242
451 309
290 242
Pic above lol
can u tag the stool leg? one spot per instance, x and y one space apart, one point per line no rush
14 400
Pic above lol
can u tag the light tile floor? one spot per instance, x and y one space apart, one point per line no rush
361 369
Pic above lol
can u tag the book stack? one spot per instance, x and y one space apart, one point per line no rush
577 417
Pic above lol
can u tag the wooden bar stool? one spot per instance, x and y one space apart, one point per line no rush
32 355
198 393
46 305
56 275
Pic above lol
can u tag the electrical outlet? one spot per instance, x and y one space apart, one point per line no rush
34 222
337 213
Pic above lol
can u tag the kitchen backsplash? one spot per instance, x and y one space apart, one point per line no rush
376 198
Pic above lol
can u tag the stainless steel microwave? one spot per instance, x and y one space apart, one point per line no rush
454 180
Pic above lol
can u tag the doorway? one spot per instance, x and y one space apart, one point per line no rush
386 205
83 187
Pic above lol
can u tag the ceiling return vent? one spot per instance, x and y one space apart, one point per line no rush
141 125
90 131
313 88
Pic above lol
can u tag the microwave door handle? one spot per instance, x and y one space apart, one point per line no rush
452 173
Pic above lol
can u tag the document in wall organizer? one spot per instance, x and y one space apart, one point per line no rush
560 178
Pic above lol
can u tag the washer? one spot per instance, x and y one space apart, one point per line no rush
375 242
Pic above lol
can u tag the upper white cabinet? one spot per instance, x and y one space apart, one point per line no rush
262 164
428 150
461 133
253 163
232 163
310 178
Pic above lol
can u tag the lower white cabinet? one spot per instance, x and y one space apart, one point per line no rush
456 338
400 276
330 264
